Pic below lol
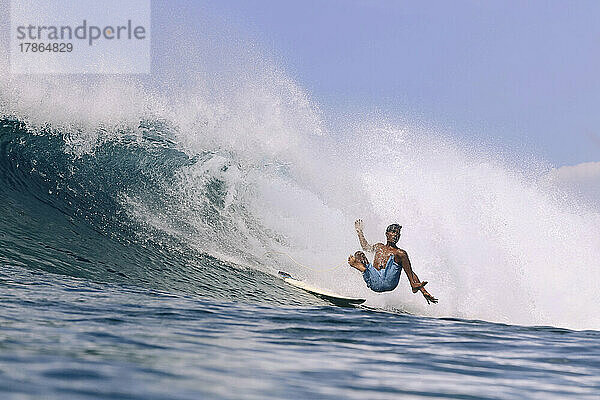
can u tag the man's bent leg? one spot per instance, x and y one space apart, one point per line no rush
390 276
372 278
358 261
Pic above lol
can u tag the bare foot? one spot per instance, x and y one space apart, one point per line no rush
361 258
355 263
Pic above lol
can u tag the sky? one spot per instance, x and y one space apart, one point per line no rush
519 73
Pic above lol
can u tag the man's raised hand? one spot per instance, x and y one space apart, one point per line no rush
358 225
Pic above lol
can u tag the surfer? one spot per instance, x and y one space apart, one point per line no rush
384 274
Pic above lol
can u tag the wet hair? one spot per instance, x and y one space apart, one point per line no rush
393 227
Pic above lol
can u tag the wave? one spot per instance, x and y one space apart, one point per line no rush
68 214
190 187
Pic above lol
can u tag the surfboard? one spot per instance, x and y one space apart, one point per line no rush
334 298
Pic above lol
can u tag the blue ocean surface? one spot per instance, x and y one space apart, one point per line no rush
63 337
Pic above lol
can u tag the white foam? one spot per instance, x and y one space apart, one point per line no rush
493 242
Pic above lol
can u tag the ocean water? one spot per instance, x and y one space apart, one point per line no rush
66 337
143 221
134 269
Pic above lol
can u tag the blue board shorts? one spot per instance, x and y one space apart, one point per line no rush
383 280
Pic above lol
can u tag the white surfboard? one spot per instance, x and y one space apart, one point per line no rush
322 293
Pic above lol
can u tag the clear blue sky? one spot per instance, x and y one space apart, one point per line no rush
510 70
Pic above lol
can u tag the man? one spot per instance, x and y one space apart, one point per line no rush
384 274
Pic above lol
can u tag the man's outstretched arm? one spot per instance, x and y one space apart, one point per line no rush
415 283
358 226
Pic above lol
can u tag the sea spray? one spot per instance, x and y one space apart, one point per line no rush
255 166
